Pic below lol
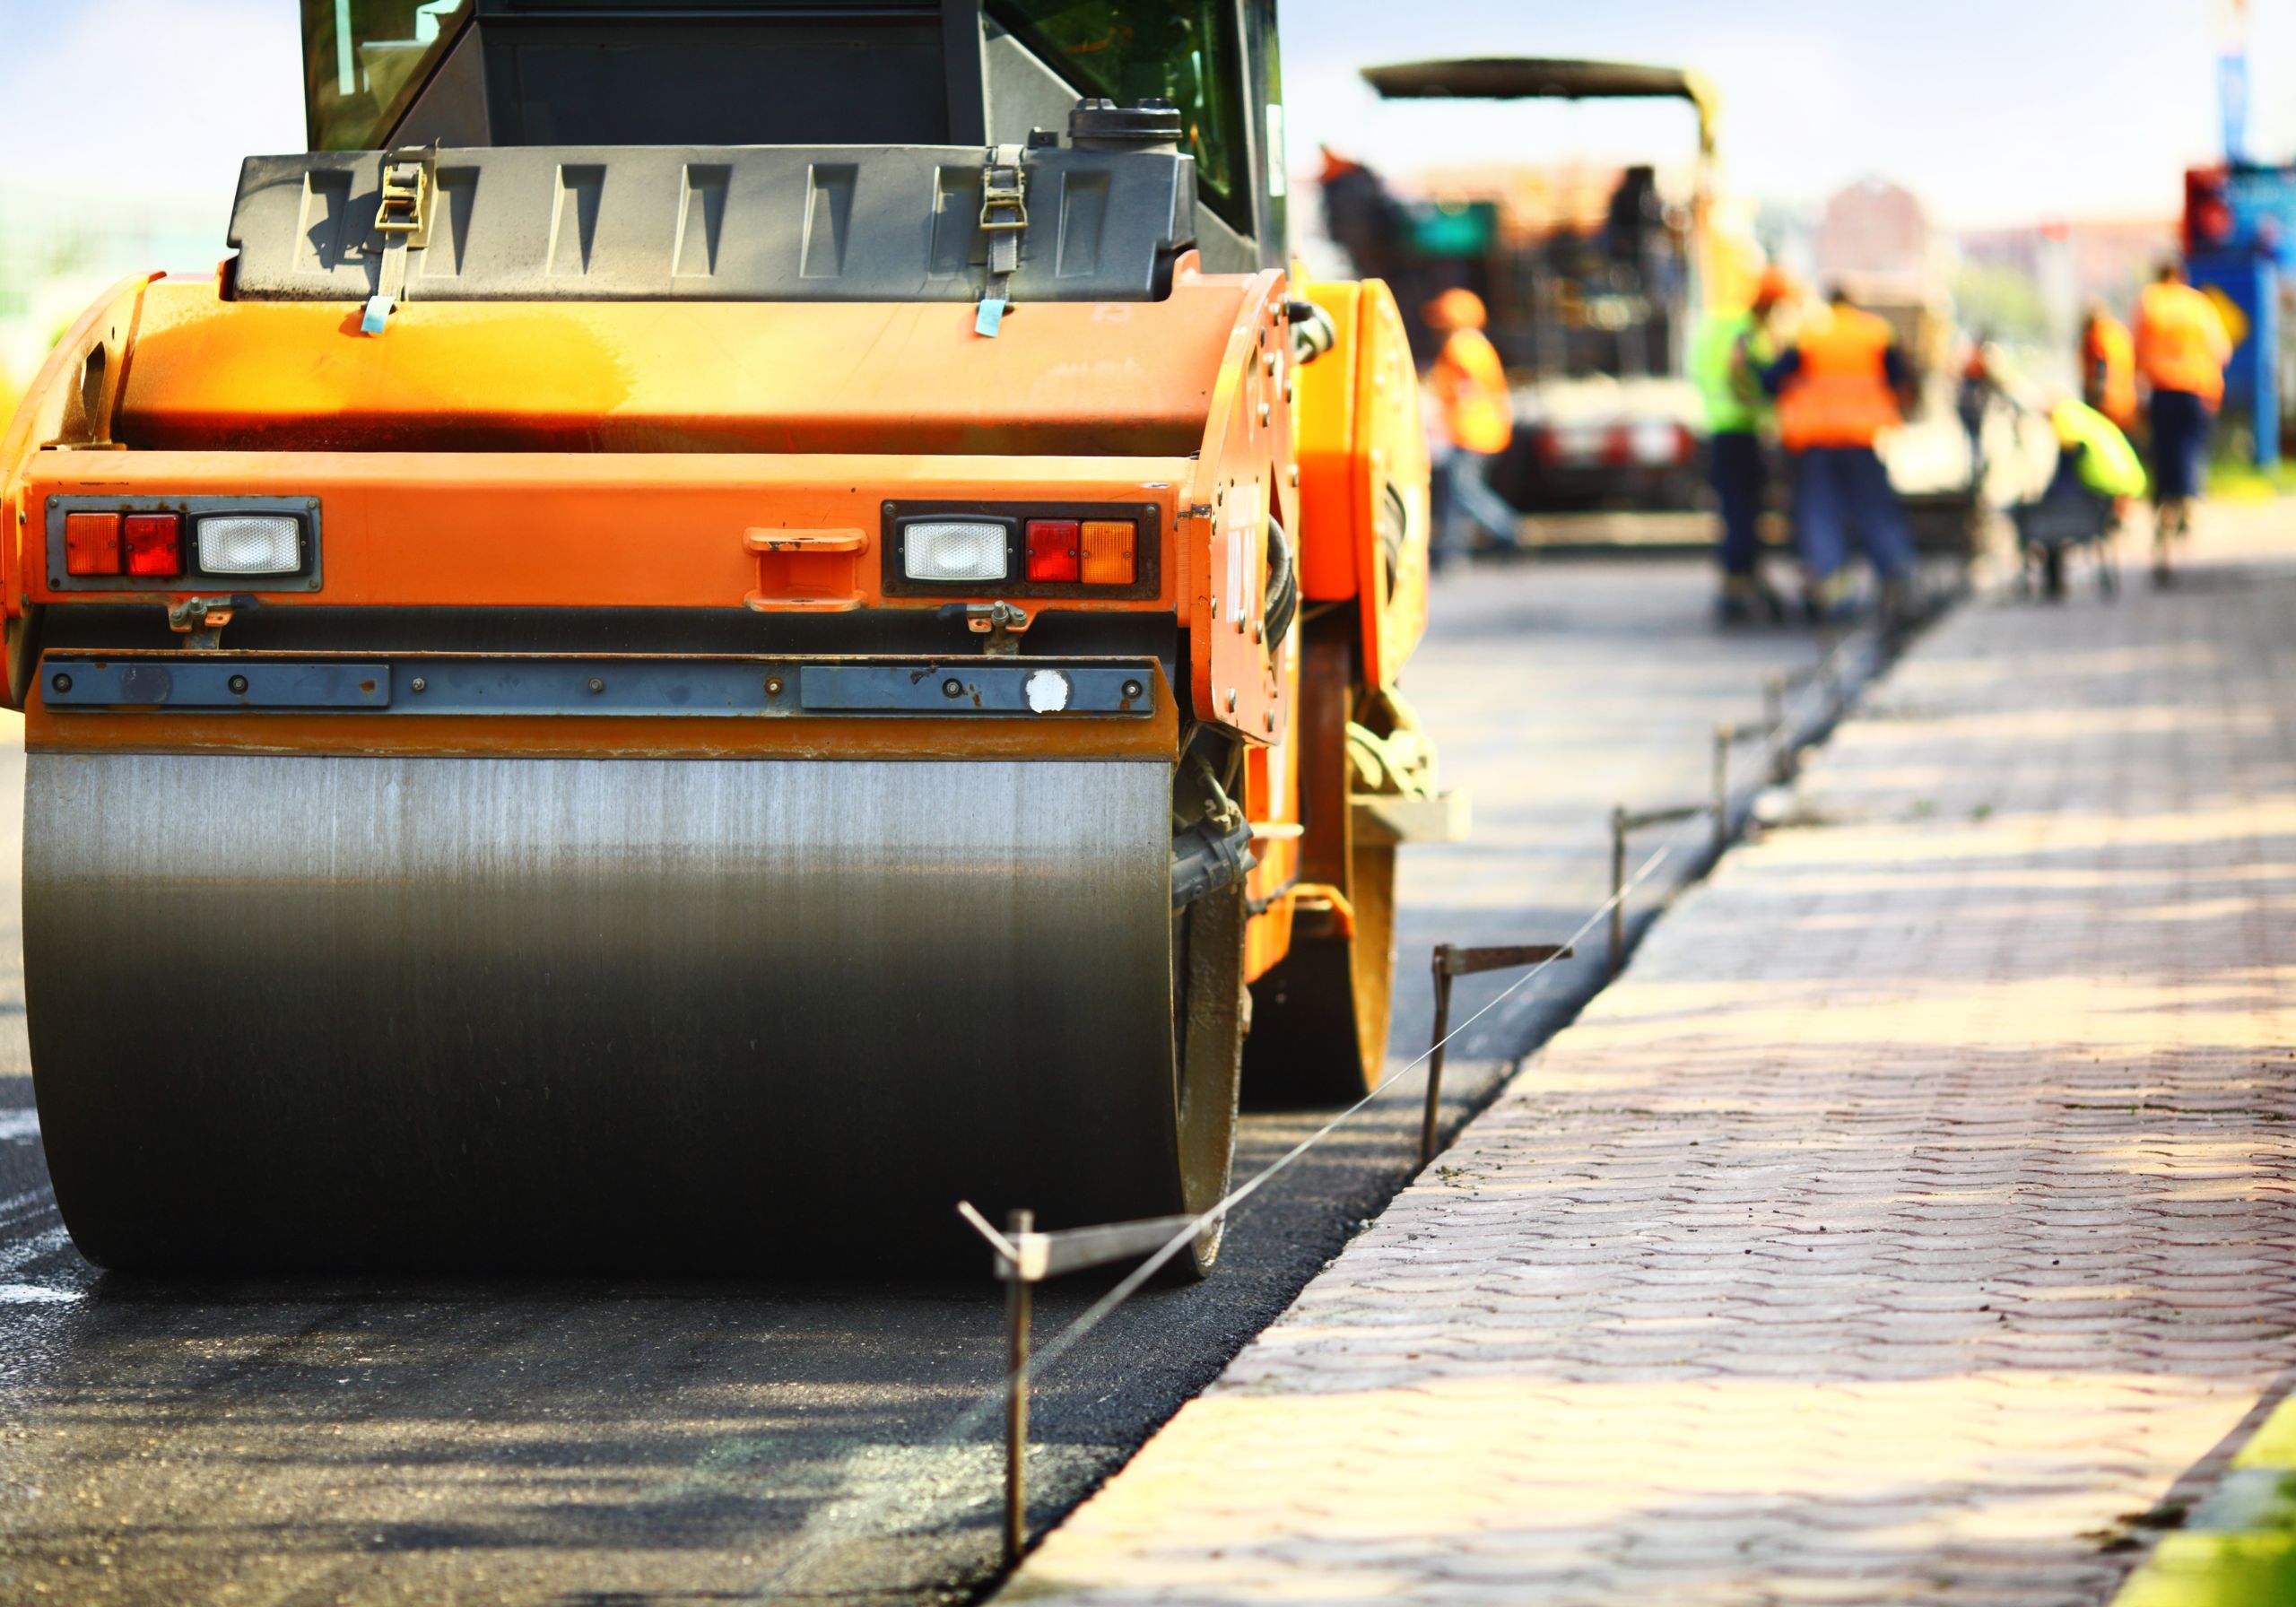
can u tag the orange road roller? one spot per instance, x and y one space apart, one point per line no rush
722 627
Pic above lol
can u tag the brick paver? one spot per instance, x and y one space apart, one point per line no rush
1913 1216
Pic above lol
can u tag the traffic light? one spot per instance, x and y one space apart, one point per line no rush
2208 210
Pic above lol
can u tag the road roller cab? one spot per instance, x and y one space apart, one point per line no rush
713 622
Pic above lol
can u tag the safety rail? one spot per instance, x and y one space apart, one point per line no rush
1787 722
1450 962
1024 1257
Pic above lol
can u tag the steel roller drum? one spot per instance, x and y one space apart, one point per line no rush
443 1013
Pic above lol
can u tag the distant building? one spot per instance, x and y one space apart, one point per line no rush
1874 238
2107 258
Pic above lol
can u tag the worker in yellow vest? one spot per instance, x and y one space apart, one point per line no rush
1477 415
1727 357
1837 388
2181 351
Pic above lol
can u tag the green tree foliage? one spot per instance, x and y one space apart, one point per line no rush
2002 301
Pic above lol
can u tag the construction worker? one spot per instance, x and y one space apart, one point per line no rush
1477 418
1837 388
2181 351
1730 349
1971 396
2092 451
2108 367
2097 471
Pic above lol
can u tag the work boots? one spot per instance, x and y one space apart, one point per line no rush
2172 523
1747 600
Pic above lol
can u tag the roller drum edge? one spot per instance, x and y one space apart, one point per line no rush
322 1012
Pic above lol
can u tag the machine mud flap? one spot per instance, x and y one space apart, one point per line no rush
619 1014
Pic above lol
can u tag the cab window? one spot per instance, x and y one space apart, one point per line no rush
1183 51
364 61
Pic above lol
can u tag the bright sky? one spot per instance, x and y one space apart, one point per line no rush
1993 111
1996 111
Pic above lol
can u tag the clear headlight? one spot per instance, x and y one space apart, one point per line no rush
250 543
953 550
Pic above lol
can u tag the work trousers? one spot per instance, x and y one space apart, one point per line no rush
2180 423
1836 490
1734 465
1465 498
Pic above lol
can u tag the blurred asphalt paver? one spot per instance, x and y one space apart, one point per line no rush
352 1441
1912 1223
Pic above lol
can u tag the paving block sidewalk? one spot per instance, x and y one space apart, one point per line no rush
1914 1222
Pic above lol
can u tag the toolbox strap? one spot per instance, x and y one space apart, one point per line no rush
1003 218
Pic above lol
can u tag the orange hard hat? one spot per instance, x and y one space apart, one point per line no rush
1454 310
1772 288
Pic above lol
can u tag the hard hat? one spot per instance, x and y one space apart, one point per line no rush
1454 310
1772 288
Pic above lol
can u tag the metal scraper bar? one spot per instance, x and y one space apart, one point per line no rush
526 684
179 682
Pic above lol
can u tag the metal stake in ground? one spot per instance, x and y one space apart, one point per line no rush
1618 888
1448 962
1781 746
1017 1302
1724 736
1622 822
1023 1257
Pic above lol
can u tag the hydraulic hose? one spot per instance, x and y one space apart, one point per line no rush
1207 857
1283 585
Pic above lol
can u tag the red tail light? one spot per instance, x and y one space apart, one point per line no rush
154 543
1053 549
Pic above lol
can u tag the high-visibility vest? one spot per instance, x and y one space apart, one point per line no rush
2180 341
1839 396
2108 369
1734 404
2110 466
1470 383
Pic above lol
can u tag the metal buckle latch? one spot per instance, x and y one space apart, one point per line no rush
1003 219
404 210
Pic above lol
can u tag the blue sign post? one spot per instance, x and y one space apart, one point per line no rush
2246 246
2249 281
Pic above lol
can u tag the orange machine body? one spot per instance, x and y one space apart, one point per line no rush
743 456
1364 475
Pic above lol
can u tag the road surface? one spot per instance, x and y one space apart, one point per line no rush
365 1442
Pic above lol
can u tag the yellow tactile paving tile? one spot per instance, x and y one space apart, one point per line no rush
2237 1547
1913 1218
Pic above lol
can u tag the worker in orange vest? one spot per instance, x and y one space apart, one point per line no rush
1477 419
1837 388
2181 351
2108 367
